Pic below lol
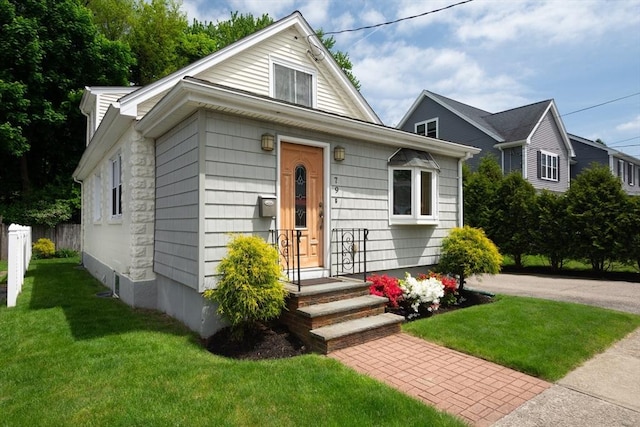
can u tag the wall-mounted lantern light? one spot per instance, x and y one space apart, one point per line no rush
338 153
267 142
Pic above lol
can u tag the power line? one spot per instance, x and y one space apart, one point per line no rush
601 104
398 20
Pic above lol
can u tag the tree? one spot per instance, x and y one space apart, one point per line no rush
628 245
48 52
468 251
551 233
480 190
595 204
342 58
512 220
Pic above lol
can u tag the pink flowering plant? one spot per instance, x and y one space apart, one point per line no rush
386 286
424 291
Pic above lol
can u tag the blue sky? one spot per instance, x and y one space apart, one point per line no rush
492 54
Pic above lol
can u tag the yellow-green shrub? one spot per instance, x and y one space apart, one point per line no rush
43 248
250 287
467 251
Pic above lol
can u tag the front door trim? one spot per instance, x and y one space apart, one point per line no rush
326 168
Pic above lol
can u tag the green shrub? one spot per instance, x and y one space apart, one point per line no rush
65 253
43 248
250 288
467 251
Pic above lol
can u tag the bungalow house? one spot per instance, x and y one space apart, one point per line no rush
530 139
268 137
622 165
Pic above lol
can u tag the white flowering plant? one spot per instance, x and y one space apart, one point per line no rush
423 291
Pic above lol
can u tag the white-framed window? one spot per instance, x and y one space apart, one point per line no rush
293 84
621 169
428 128
548 166
630 174
116 186
97 197
413 188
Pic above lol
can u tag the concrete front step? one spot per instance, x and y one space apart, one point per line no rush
318 315
345 334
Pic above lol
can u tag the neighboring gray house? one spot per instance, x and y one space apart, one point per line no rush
266 134
622 165
530 139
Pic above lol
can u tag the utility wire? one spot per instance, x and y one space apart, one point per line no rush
601 104
398 20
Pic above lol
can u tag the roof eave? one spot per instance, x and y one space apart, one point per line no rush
188 96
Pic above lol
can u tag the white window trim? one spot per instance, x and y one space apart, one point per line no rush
113 183
415 218
272 79
426 123
543 171
620 171
97 198
630 174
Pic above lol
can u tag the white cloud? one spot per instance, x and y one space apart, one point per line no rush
631 126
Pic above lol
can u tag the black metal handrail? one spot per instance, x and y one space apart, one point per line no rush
349 251
287 242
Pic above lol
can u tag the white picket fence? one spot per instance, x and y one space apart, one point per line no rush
19 258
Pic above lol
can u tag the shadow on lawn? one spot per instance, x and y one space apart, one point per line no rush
67 285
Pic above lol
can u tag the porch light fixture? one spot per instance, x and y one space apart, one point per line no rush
267 142
338 153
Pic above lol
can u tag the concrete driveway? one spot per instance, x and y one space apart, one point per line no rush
621 296
605 391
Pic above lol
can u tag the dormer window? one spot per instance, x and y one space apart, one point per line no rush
293 85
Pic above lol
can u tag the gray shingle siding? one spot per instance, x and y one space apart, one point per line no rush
452 128
585 156
548 137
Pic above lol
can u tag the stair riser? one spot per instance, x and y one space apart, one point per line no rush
295 302
325 347
330 319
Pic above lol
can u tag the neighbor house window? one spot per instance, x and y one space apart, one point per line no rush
630 173
548 166
292 85
413 188
116 186
97 197
621 169
428 128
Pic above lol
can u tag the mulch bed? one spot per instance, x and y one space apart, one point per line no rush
274 341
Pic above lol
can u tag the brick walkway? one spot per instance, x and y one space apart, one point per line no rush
478 391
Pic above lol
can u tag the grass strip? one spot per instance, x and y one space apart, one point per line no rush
546 339
70 358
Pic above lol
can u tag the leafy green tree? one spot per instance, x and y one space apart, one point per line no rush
468 251
552 237
595 204
49 50
628 245
342 58
512 220
480 189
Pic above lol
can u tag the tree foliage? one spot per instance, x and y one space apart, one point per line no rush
480 189
511 226
595 204
552 236
49 50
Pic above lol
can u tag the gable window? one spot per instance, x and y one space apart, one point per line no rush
292 85
413 188
116 186
428 128
630 173
548 166
97 197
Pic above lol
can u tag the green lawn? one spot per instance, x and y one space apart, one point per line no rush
542 338
69 358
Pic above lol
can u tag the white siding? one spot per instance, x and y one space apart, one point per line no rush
176 225
250 71
548 138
